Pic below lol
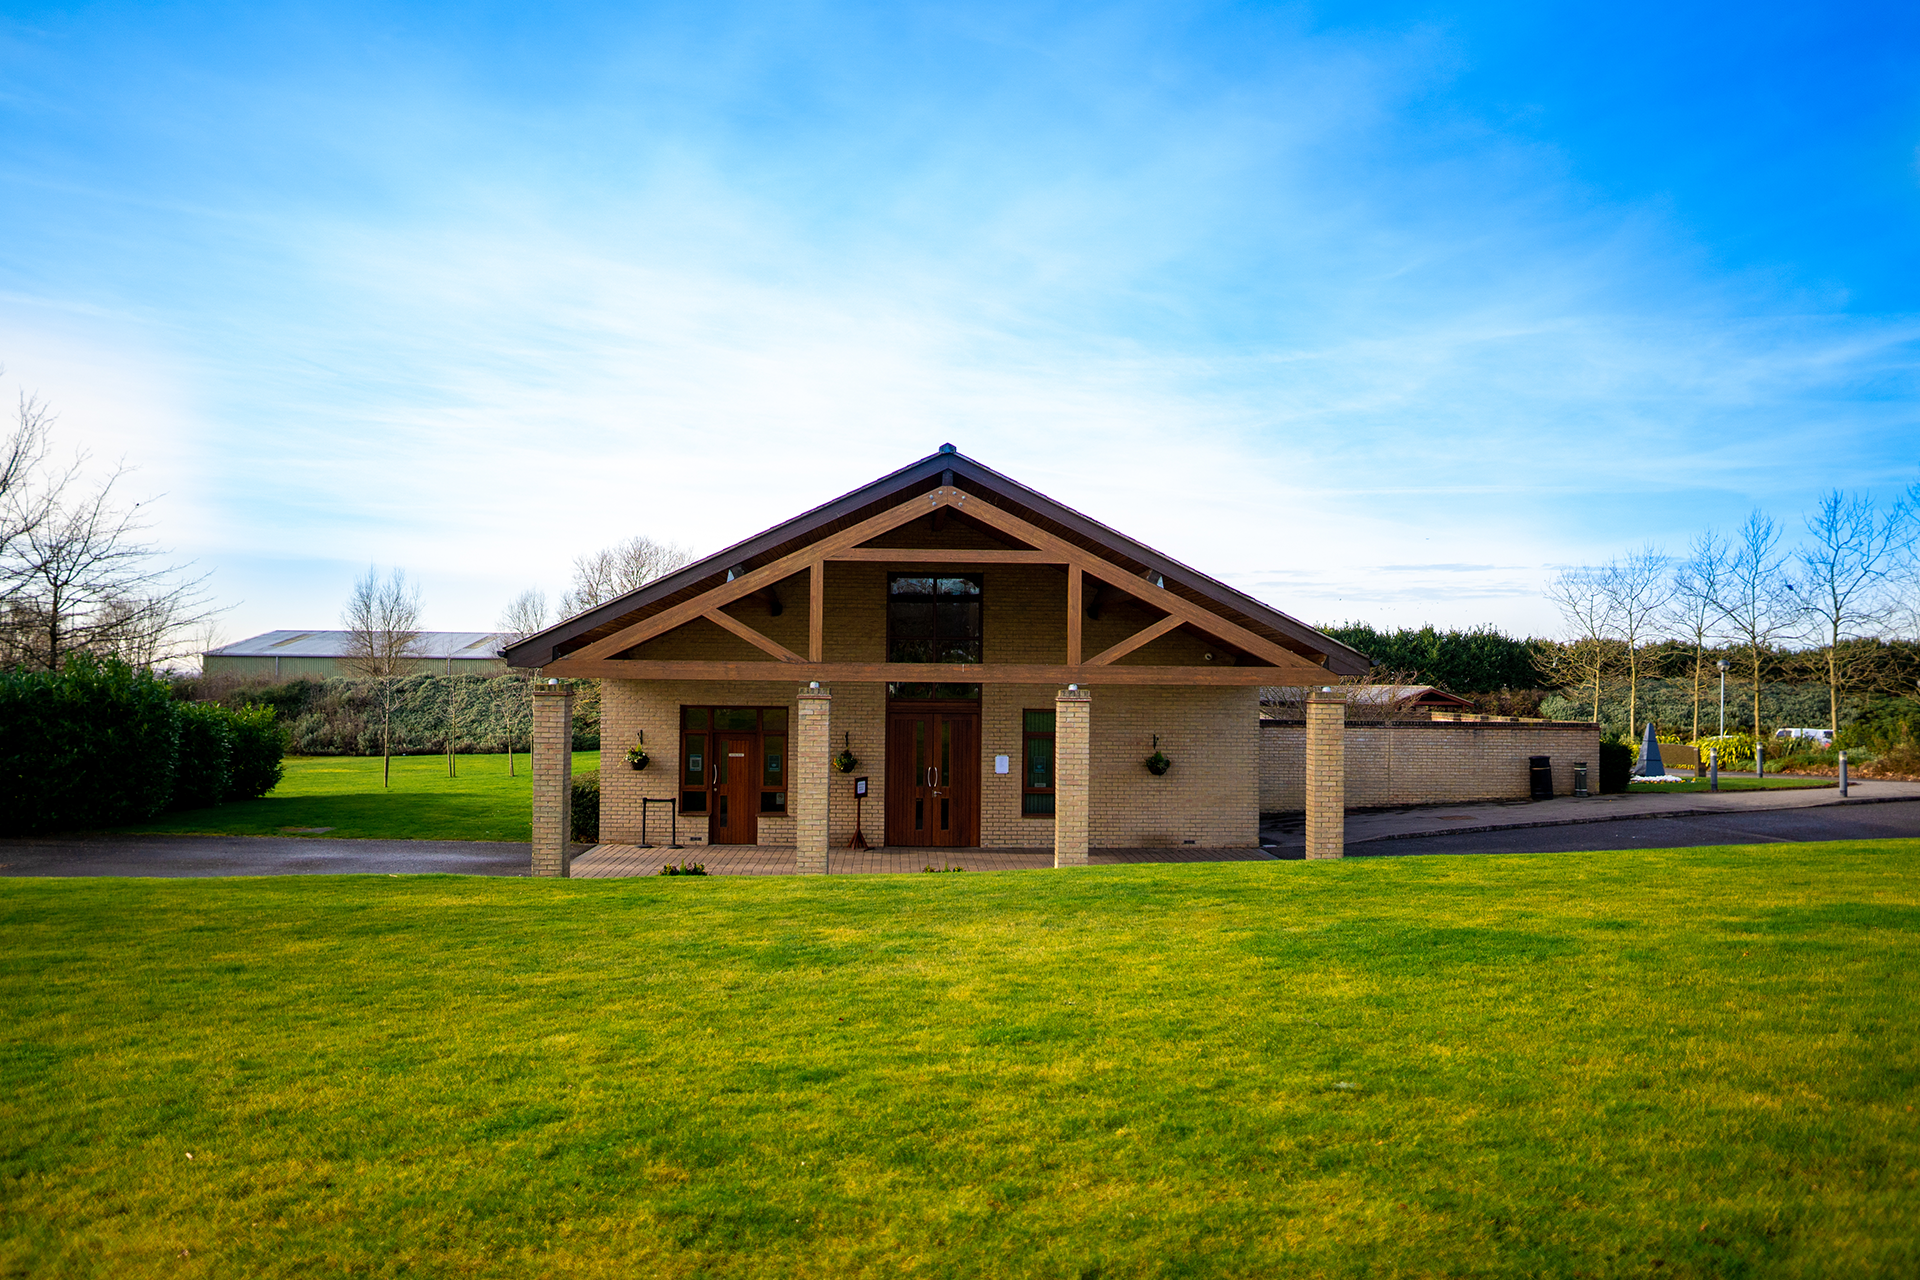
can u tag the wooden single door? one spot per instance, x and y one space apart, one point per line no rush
736 797
933 778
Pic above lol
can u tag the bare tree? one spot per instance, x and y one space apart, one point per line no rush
81 579
25 492
525 615
383 632
1639 589
1587 605
624 567
1697 587
75 572
1757 600
1845 568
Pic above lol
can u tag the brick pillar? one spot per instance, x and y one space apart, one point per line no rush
807 793
1072 775
1326 775
552 766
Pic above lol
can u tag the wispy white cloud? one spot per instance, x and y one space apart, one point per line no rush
1291 324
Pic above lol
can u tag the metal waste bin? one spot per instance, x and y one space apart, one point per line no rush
1580 779
1540 777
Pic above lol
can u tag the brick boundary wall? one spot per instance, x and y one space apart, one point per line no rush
1429 761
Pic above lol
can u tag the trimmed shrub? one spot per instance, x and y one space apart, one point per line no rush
90 745
1736 750
586 806
203 771
259 743
1616 766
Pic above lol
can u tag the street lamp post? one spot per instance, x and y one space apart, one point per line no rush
1723 697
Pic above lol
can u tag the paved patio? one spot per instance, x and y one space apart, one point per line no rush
610 860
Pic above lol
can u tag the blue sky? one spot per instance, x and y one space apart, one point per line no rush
1379 312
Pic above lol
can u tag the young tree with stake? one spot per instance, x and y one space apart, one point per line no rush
383 632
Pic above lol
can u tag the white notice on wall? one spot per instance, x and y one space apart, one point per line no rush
1000 764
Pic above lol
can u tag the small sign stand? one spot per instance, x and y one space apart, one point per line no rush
673 813
859 840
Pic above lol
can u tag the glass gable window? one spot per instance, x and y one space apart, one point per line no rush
1036 765
933 618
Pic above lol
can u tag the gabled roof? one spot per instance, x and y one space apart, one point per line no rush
333 644
945 467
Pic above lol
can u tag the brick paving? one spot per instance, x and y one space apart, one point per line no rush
615 860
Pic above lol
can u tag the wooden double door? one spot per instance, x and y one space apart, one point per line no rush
933 776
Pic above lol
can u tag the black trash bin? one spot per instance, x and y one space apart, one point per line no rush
1540 777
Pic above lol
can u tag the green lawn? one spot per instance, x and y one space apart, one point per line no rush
343 794
1729 784
1674 1063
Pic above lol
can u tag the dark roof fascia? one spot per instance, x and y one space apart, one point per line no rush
537 650
540 648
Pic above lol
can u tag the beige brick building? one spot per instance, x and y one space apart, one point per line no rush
991 667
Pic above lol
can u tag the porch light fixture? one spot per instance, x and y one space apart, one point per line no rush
736 572
1073 688
552 680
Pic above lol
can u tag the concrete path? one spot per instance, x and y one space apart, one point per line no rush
1899 819
1875 810
256 856
1506 815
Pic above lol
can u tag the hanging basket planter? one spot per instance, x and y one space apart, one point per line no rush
1158 763
845 762
638 758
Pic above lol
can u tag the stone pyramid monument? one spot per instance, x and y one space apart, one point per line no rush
1650 765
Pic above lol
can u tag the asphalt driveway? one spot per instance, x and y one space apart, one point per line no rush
256 856
292 855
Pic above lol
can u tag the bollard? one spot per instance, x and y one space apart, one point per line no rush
1843 773
1713 768
1759 761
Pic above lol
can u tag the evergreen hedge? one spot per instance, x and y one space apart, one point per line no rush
99 743
93 744
586 806
343 717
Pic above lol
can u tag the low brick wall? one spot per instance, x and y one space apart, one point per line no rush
1429 761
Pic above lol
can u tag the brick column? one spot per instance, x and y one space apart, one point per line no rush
552 766
807 792
1072 775
1326 775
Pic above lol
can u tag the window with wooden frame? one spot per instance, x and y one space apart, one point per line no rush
933 617
698 772
1036 764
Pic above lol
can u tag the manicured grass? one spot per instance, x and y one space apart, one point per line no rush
1692 1062
344 793
1729 784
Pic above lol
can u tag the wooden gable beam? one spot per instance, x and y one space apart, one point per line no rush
816 611
1144 636
755 579
1200 619
751 636
1159 597
1073 615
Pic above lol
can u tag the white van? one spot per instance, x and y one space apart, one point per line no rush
1822 736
